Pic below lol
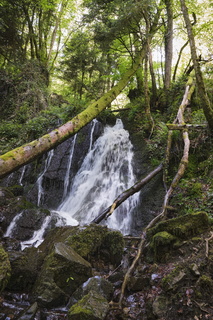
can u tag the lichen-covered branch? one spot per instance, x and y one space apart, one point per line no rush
181 169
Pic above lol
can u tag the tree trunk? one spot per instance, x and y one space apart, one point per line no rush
168 44
178 60
207 107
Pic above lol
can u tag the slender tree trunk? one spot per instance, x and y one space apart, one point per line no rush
154 85
178 60
207 107
168 44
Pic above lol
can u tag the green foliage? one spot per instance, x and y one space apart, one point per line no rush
193 195
156 145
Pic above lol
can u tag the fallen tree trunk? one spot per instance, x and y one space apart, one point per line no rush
126 194
20 156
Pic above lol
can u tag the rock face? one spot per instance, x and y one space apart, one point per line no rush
5 268
29 221
25 267
54 170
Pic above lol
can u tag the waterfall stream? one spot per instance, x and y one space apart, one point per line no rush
105 173
67 179
40 178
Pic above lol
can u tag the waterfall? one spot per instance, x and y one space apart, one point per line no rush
94 121
105 173
22 175
40 178
37 237
67 176
12 225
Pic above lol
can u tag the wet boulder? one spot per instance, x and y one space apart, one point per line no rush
25 266
97 284
170 234
62 272
29 221
92 306
10 207
88 241
5 268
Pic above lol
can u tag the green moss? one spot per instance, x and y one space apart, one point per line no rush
183 227
204 287
161 244
86 241
174 278
89 307
114 243
5 268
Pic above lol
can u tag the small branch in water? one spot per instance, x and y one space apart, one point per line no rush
126 194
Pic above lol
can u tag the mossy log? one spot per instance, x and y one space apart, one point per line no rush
20 156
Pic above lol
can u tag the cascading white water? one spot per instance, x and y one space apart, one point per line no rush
67 179
22 175
94 121
105 173
40 178
12 225
37 237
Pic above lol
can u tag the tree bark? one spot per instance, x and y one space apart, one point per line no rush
168 44
206 105
126 194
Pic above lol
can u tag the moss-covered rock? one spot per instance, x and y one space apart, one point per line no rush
88 242
183 227
97 284
162 243
93 306
5 268
204 287
160 306
172 280
61 274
